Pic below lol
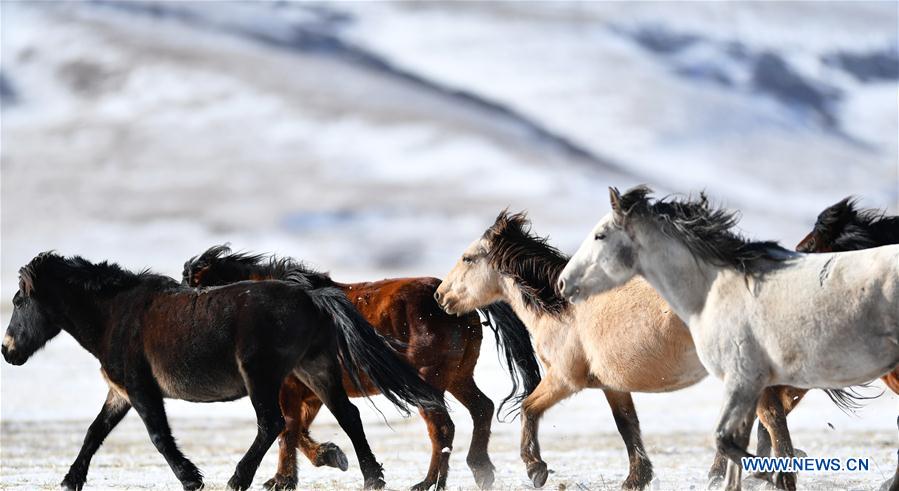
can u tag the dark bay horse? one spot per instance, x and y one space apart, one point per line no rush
840 227
157 339
443 348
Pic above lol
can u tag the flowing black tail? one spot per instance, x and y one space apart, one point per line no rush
360 347
848 399
514 344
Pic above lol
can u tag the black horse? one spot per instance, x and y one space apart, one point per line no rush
842 226
155 338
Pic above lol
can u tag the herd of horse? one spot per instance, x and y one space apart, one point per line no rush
660 293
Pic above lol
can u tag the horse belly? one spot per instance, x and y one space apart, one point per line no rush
838 369
212 385
201 374
661 360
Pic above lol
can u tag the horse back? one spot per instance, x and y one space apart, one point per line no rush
821 320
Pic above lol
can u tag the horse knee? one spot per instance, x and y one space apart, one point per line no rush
724 442
273 426
448 429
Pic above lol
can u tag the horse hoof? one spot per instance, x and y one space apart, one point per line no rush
281 483
374 483
192 485
331 455
422 486
70 483
483 476
715 482
637 482
785 480
538 473
237 483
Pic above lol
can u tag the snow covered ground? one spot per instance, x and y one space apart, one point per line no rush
377 140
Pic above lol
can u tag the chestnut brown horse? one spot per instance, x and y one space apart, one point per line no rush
157 339
840 227
443 348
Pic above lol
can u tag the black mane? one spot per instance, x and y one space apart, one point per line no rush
220 259
706 231
527 258
844 227
75 271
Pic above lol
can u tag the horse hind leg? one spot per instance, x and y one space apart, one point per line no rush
299 407
324 377
480 407
325 454
625 414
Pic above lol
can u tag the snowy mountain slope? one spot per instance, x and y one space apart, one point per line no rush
638 82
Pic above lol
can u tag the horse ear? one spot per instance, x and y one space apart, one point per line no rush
615 200
25 286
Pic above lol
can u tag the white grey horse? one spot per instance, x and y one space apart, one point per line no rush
760 315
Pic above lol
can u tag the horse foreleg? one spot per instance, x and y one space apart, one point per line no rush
772 409
549 391
735 427
263 381
480 407
114 409
146 398
788 398
625 414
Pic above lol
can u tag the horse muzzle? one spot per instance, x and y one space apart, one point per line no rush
12 356
569 292
10 353
446 305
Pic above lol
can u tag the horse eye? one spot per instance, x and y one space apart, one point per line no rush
17 301
599 236
467 259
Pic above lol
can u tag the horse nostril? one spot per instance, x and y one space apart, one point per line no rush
437 296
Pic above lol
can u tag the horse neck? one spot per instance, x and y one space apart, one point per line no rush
682 279
88 319
538 323
886 231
